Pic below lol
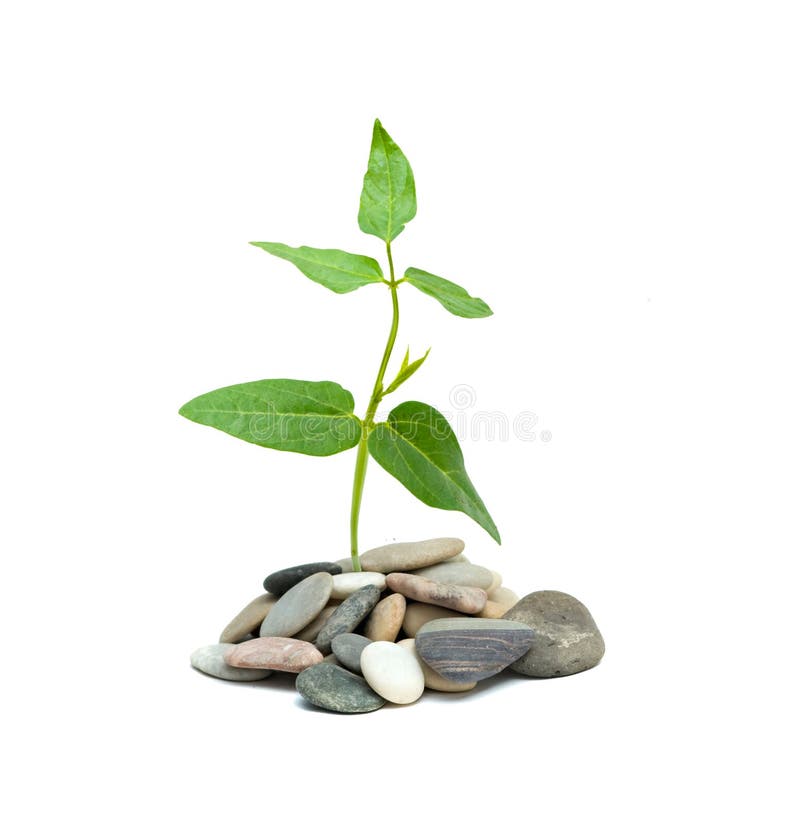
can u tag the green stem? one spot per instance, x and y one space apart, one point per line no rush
369 418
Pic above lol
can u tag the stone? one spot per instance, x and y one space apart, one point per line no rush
417 615
471 649
248 620
497 580
386 619
434 681
403 556
463 575
333 688
461 599
310 632
492 610
283 580
211 660
567 639
346 564
393 672
505 597
298 607
347 583
348 647
347 616
461 558
284 654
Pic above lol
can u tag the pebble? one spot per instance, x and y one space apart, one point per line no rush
284 654
345 584
284 579
567 639
248 620
386 619
471 649
332 688
211 661
434 681
463 575
312 630
505 597
393 672
461 599
346 564
297 608
492 610
461 558
497 580
417 615
347 616
401 557
348 647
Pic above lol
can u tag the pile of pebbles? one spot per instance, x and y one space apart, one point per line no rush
419 616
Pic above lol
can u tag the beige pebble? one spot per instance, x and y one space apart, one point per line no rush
469 600
461 575
497 580
312 630
386 618
284 654
417 615
492 610
248 620
503 596
434 681
412 555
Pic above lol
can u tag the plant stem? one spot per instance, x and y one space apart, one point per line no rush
362 454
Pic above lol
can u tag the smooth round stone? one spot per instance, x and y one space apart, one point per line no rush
347 583
346 564
347 616
434 681
284 654
333 688
471 649
567 639
461 599
211 661
417 615
284 579
497 580
505 597
462 575
348 647
297 608
248 620
492 610
386 619
310 632
403 556
393 672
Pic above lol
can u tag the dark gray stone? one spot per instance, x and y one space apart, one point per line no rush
336 689
348 647
567 639
347 616
284 579
471 649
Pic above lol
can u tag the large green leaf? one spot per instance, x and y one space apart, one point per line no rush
339 271
388 198
417 445
312 417
453 297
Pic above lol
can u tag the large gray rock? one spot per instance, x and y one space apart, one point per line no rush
566 640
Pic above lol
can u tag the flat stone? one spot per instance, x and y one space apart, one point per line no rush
211 660
492 610
345 584
284 654
471 649
463 575
283 580
417 615
311 632
393 672
347 616
333 688
461 599
403 556
346 564
298 607
497 580
348 647
567 639
461 558
434 681
386 619
505 597
248 620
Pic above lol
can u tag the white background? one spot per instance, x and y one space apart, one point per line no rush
619 181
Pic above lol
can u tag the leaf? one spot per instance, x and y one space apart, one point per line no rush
339 271
453 297
311 417
418 447
406 371
388 197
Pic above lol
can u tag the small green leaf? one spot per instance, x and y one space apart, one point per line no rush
418 447
453 297
406 371
339 271
311 417
388 197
